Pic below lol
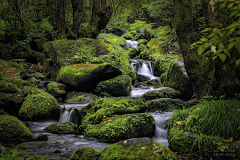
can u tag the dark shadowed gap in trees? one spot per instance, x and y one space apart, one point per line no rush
213 78
60 16
78 14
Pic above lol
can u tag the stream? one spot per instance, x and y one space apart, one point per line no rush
64 145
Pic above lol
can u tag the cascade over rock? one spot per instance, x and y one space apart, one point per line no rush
85 77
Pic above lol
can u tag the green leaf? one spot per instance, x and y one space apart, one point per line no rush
230 5
232 39
200 49
235 7
230 45
216 30
222 5
233 13
215 57
221 46
237 44
220 25
204 39
206 29
210 35
218 51
222 57
206 45
238 39
227 53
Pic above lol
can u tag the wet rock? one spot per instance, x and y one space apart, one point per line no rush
66 127
80 97
85 77
143 77
144 34
43 137
86 153
116 31
178 79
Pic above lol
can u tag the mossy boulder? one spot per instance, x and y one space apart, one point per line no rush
165 104
137 148
178 79
12 130
39 105
116 128
141 48
85 77
204 126
56 89
61 52
154 82
46 158
66 127
80 97
158 45
8 87
2 112
86 153
118 86
144 34
163 92
130 35
133 52
95 112
142 41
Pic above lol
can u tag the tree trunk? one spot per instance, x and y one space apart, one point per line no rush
78 14
60 16
208 77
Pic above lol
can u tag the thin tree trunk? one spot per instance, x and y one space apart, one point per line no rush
60 16
78 14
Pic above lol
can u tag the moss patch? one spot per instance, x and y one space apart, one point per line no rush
96 112
117 128
86 153
13 130
118 86
164 92
66 127
39 105
137 148
56 89
80 97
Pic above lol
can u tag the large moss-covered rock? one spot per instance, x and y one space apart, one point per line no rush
86 153
60 52
130 35
163 92
142 41
137 148
133 52
80 97
144 34
121 127
66 127
12 130
118 86
163 77
96 112
178 79
38 105
85 77
165 104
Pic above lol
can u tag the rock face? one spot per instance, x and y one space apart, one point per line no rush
177 78
12 130
137 148
60 128
38 105
85 77
118 86
143 77
117 128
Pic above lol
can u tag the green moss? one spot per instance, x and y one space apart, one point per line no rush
39 106
66 127
154 82
165 104
56 89
130 35
112 39
80 97
163 77
137 148
39 76
2 112
164 92
96 112
117 128
118 86
133 52
8 87
10 69
17 81
86 153
13 130
142 41
45 158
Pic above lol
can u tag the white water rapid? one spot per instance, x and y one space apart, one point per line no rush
132 44
161 131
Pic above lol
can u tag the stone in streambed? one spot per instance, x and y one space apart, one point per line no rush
66 127
137 148
163 92
85 77
118 86
86 153
116 128
12 130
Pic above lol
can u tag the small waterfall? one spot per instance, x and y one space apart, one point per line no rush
132 44
161 131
